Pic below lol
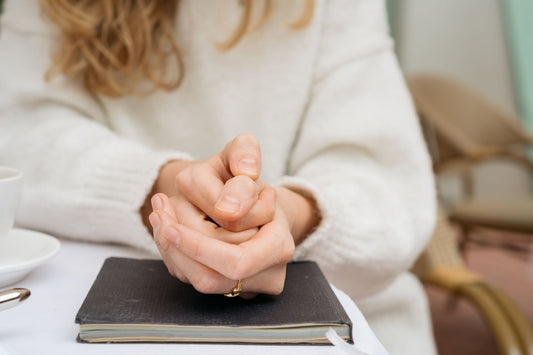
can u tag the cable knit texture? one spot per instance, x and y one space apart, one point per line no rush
327 103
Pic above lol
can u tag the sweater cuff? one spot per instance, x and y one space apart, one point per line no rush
116 188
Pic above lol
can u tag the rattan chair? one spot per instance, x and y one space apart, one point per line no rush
450 116
441 265
463 129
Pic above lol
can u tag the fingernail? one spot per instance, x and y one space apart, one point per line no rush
248 166
174 235
157 204
154 220
229 204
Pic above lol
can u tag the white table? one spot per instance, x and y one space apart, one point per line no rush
44 323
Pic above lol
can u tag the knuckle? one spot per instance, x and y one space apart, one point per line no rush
233 226
204 284
278 282
186 179
241 268
195 250
243 184
170 267
158 242
179 275
227 236
286 249
182 278
161 242
289 251
171 272
182 179
266 205
270 211
277 287
201 168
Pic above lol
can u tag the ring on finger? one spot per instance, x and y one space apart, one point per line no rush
236 290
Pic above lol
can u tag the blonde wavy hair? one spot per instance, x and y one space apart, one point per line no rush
114 46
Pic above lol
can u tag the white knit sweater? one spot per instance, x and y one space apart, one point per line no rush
327 104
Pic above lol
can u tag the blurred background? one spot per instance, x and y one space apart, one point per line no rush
485 44
469 65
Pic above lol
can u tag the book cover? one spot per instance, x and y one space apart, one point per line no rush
135 300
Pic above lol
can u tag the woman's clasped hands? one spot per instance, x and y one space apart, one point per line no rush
220 224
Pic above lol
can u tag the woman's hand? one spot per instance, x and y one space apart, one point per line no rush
224 187
212 259
218 228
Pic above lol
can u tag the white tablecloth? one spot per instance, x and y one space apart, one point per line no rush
44 323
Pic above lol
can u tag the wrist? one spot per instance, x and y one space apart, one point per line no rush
301 211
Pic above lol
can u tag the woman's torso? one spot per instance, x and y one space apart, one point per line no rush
261 86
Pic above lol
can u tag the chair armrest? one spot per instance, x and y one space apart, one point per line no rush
463 164
451 277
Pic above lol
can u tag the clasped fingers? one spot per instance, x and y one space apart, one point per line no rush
237 204
267 248
244 203
213 265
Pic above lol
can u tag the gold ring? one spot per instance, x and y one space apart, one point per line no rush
236 290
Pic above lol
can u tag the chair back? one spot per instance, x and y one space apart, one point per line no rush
462 122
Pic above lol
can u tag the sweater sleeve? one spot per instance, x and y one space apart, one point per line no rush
81 180
360 154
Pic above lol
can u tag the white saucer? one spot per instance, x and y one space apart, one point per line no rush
21 251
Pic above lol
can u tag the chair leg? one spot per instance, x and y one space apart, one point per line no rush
507 339
519 322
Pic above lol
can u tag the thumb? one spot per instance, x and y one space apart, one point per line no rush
243 156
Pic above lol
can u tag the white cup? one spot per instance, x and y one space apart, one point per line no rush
10 186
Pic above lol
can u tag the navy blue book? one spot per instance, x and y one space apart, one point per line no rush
136 300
